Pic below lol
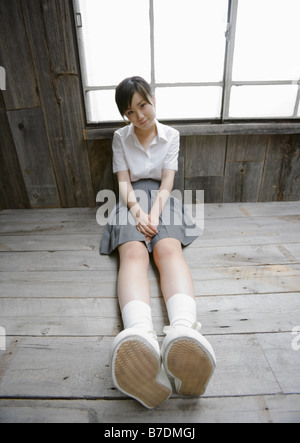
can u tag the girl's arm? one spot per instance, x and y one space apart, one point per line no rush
128 195
167 183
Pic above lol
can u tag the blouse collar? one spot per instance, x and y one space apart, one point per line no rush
160 131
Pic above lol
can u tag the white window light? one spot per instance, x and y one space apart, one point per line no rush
217 59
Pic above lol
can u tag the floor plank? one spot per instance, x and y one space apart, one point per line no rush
209 281
226 256
77 367
65 237
254 409
240 314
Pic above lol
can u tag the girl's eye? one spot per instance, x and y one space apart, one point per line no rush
143 105
129 113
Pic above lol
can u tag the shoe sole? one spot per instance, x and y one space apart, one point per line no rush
189 363
136 369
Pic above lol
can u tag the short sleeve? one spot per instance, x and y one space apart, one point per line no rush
171 159
119 160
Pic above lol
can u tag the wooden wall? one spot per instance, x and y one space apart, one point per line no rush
44 159
244 168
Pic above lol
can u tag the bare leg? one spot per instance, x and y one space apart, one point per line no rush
174 272
187 356
133 281
136 361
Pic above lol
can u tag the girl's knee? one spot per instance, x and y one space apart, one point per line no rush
134 251
167 249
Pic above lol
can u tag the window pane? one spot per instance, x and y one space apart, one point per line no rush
101 107
112 37
262 101
190 40
189 102
267 40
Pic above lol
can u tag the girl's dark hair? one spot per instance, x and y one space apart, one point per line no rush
126 90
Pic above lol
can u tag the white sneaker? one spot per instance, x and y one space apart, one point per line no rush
189 359
137 368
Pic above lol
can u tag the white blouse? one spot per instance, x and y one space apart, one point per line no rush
129 154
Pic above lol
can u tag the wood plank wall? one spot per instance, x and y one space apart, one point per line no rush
44 159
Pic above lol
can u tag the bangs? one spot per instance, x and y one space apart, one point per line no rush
126 90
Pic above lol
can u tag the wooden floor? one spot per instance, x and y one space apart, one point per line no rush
59 309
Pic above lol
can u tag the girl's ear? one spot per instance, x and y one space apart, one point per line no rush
153 99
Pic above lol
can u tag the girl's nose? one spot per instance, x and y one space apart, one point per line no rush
140 115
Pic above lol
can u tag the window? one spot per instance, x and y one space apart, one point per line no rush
265 57
216 60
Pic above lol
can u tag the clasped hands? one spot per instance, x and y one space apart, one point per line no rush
147 224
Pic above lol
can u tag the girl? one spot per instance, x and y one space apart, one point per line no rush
145 159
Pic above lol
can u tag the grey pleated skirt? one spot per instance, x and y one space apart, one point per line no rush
174 221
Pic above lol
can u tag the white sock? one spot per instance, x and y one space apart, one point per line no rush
137 314
182 310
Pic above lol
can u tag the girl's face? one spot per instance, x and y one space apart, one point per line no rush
141 114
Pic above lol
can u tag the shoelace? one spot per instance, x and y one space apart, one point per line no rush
196 326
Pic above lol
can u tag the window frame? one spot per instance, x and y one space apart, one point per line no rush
228 82
219 125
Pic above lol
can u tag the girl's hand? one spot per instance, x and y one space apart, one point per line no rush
144 225
153 220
